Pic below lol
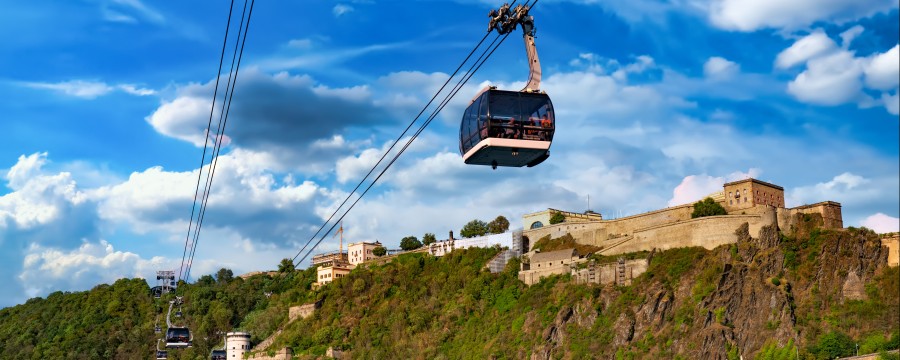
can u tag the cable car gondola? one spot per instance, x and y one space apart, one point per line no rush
218 355
160 353
509 128
178 338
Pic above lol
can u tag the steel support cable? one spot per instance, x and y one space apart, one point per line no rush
395 142
419 131
422 128
218 148
398 140
216 141
388 151
206 140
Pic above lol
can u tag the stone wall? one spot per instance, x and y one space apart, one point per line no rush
893 246
530 277
608 273
706 232
599 232
283 354
830 211
302 311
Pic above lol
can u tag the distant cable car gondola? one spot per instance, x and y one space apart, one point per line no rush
218 355
178 337
161 354
510 128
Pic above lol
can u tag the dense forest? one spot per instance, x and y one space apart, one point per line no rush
775 297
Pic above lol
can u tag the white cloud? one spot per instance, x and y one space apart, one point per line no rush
341 9
844 187
694 187
882 223
37 198
88 89
850 34
891 102
47 269
283 115
117 11
719 68
883 71
300 43
754 15
813 45
829 80
835 75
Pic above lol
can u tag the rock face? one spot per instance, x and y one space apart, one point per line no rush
754 295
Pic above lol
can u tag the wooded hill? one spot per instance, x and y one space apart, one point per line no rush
768 298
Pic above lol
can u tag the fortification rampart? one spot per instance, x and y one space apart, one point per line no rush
283 354
892 243
599 232
706 232
830 211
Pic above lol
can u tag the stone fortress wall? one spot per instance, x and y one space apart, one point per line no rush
673 227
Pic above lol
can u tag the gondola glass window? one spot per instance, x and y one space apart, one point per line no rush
507 115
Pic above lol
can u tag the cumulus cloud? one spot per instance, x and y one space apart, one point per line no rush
37 198
883 71
88 89
695 187
751 16
834 75
842 188
882 223
829 80
246 198
47 269
720 68
282 114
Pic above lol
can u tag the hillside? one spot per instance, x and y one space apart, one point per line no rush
761 298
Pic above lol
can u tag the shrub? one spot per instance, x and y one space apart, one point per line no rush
707 207
557 217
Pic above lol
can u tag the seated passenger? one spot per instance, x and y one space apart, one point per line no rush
511 132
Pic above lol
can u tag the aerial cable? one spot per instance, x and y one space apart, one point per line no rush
206 142
388 151
224 120
397 141
409 142
453 92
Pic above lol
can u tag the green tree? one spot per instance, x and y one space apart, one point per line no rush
474 228
707 207
286 266
224 276
428 239
379 251
557 217
833 345
499 225
410 243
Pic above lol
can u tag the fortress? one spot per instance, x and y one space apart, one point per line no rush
757 203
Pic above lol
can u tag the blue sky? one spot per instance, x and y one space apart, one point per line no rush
658 102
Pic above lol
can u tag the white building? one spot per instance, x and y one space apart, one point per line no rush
236 344
361 252
510 239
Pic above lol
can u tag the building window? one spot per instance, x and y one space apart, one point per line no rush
730 202
536 225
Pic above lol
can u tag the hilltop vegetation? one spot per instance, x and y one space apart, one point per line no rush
766 298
